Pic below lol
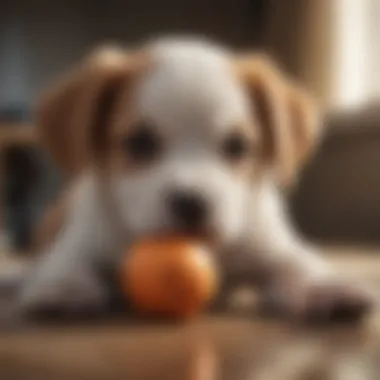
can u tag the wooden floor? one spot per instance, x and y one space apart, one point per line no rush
230 347
211 348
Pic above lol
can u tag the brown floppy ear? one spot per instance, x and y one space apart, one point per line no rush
285 116
306 125
75 111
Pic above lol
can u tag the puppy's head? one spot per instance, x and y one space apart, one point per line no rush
182 132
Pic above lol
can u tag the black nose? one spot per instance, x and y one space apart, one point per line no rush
188 208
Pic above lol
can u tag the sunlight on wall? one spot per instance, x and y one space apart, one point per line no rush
351 52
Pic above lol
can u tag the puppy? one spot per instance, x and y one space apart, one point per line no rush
182 136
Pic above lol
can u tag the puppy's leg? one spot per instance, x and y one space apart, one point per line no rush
292 273
300 284
65 279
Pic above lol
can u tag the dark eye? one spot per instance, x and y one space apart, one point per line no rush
235 147
142 145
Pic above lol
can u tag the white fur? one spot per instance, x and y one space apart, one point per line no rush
193 100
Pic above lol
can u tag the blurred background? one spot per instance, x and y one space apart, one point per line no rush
331 45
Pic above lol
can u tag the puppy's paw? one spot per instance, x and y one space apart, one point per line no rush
332 300
62 297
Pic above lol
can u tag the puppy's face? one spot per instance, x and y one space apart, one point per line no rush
184 140
183 155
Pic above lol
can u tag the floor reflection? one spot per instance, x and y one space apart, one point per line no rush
291 353
213 349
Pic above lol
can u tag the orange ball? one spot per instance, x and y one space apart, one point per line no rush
173 277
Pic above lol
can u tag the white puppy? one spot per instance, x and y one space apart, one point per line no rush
182 136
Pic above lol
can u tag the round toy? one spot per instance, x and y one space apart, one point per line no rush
172 277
